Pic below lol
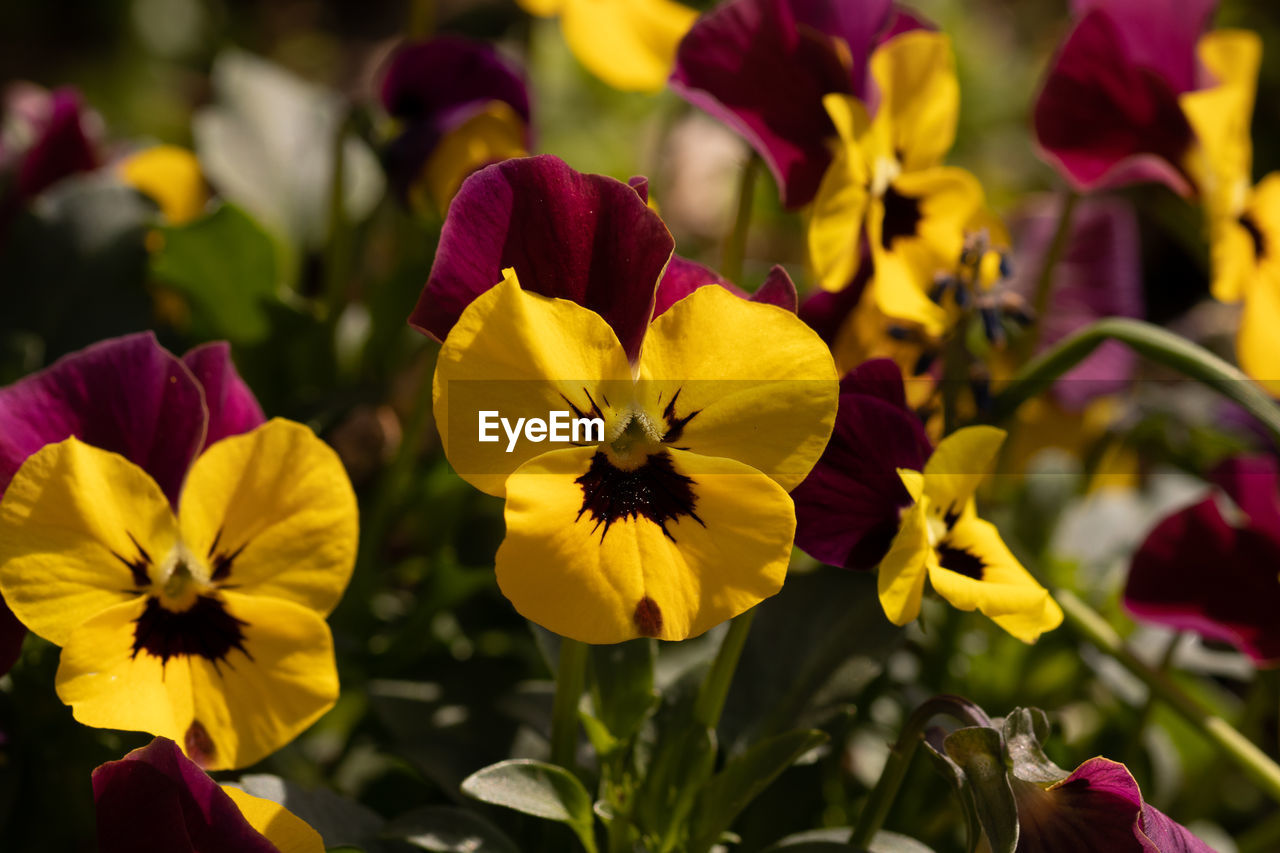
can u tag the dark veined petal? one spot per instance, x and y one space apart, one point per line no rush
1157 34
233 409
748 64
128 395
1196 572
586 238
848 508
1105 121
156 800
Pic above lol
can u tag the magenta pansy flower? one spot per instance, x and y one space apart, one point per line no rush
62 141
1108 113
1198 571
587 238
1098 807
763 66
131 396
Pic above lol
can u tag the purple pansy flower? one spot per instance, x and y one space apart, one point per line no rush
587 238
1098 807
63 141
1199 572
763 66
157 799
444 85
1098 275
131 396
848 509
1108 113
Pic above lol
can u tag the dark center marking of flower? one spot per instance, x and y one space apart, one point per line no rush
901 217
205 629
594 411
221 561
1249 224
675 423
961 562
138 565
654 490
648 617
951 516
199 746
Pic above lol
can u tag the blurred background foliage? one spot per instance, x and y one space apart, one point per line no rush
440 676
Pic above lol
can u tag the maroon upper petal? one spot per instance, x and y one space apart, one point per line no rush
1098 807
1158 34
232 407
1196 572
1104 119
128 395
847 509
156 800
1099 275
61 148
1253 482
683 277
749 64
778 289
587 238
433 86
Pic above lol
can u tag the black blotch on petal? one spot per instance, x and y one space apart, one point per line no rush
648 617
961 562
204 630
138 565
901 217
654 490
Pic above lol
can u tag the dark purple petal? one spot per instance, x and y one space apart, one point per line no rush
156 800
1253 482
1095 808
1196 572
1099 275
683 277
858 24
232 407
128 395
640 184
847 509
778 289
1104 121
63 146
825 312
1167 835
1158 34
748 64
425 79
12 633
586 238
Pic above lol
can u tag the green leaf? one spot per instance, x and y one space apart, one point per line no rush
742 780
539 789
978 751
1024 730
622 685
955 775
682 762
445 829
225 264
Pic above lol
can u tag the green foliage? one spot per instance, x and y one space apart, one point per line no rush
539 789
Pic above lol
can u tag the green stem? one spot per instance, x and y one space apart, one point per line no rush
895 767
1255 763
338 250
735 245
715 687
1052 255
1147 340
571 676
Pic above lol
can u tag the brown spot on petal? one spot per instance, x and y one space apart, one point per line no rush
648 617
198 744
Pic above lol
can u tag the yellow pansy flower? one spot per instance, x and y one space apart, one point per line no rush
677 516
942 540
170 176
629 44
887 182
205 626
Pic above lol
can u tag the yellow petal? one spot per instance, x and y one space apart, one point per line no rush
277 503
920 97
541 8
564 570
519 355
762 383
629 44
65 527
280 826
1232 257
1257 343
958 464
836 218
254 703
1006 592
494 133
903 570
108 687
171 177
